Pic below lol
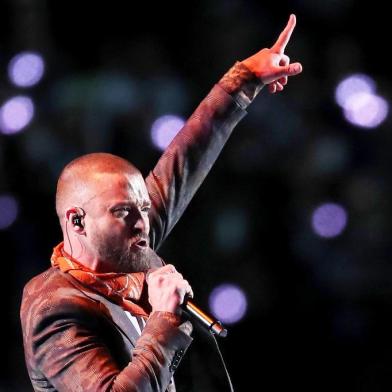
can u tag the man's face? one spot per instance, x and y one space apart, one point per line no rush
117 224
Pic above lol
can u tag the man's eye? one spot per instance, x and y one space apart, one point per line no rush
121 212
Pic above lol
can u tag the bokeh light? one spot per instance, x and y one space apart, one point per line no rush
329 220
164 129
26 69
228 303
356 94
366 110
8 211
352 85
16 114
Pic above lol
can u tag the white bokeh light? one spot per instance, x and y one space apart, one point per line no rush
366 110
8 211
164 129
16 114
26 69
228 303
352 85
329 220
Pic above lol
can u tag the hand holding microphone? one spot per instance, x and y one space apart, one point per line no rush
168 291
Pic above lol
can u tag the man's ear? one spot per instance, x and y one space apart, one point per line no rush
75 217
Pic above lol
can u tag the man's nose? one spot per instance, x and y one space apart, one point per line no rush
141 224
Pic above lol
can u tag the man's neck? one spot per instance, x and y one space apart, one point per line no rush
78 253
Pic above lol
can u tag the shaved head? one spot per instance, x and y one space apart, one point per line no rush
80 179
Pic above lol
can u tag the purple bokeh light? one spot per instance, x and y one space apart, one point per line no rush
8 211
329 220
352 85
164 129
228 303
366 110
16 114
26 69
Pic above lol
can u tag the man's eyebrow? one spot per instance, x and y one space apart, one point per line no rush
120 203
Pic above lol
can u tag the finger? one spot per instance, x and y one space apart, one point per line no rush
279 87
167 269
283 81
189 292
284 61
294 69
288 70
272 88
185 291
155 272
284 37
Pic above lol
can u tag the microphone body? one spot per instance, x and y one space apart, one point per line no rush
215 326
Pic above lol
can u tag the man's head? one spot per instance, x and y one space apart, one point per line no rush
102 204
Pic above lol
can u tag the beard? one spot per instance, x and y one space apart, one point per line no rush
124 258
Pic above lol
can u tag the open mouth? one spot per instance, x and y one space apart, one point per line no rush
142 243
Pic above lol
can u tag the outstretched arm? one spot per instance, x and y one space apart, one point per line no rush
188 159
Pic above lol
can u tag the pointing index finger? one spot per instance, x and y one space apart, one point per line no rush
284 37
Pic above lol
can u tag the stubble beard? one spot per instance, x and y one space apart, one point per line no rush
124 258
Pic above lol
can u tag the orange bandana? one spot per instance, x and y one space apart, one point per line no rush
127 290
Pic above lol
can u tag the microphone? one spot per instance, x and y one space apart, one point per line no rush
213 325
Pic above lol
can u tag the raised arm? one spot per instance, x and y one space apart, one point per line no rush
190 156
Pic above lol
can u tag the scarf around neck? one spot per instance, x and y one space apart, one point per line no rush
129 290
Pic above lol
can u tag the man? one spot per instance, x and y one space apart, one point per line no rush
106 315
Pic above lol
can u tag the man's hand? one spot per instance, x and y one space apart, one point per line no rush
167 289
272 66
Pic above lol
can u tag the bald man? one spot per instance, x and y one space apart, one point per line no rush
106 315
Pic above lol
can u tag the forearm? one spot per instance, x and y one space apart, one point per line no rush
190 156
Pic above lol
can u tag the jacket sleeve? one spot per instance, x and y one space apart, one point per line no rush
188 159
65 343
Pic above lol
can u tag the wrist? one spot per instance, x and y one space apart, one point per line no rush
172 318
241 83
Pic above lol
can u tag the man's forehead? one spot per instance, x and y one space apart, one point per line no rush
114 185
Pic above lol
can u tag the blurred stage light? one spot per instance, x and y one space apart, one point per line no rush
230 229
329 220
361 106
164 129
8 211
16 114
366 110
26 69
352 85
228 303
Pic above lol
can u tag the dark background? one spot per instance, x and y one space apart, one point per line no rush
318 309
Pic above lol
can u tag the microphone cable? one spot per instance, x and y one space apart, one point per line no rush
223 361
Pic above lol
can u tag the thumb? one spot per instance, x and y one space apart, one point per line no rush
287 70
293 69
